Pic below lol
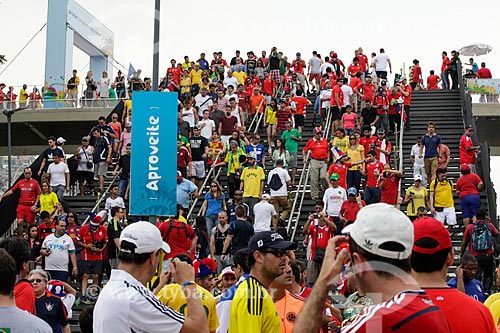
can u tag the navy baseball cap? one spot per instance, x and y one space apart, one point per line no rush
269 239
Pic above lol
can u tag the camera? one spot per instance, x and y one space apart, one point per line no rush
98 244
412 193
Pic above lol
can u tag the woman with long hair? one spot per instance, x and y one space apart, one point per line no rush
203 240
214 203
356 152
48 199
90 90
35 245
61 212
281 153
270 118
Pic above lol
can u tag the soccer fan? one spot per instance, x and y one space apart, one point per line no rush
252 182
337 103
350 207
418 161
13 318
465 280
29 196
48 155
432 81
431 257
468 187
319 155
267 260
292 137
264 214
47 226
218 235
441 198
333 198
239 234
140 247
340 166
373 170
416 197
102 155
367 140
114 200
431 142
199 154
468 150
380 244
389 184
58 172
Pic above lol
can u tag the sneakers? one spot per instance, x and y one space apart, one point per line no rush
87 301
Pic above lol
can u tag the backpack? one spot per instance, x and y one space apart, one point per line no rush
481 236
172 226
71 83
336 67
275 183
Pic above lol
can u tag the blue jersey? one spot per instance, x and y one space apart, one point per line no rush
473 288
259 150
51 309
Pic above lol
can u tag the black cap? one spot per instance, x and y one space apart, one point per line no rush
269 239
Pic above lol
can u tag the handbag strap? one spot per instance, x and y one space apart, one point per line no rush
86 156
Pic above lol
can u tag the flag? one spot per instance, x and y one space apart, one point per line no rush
131 70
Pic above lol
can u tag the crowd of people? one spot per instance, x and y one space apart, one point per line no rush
233 268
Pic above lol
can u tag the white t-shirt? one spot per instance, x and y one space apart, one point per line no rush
110 203
188 115
264 212
315 65
138 311
230 81
206 130
325 66
233 95
236 113
69 300
347 90
203 103
381 62
325 93
333 199
415 152
60 247
284 176
58 173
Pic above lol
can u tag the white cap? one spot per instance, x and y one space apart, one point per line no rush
266 196
417 177
252 154
379 223
60 140
145 236
227 270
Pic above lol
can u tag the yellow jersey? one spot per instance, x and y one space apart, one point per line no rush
288 309
48 202
493 303
241 76
195 76
341 143
172 296
356 155
271 116
443 193
233 161
253 310
417 201
252 178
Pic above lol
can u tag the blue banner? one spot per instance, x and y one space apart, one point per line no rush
154 154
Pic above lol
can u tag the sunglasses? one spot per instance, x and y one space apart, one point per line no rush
276 253
36 280
71 216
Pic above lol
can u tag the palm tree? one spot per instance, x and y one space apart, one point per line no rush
2 59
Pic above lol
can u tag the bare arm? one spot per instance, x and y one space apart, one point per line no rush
212 243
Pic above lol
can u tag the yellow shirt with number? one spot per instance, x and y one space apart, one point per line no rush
172 296
341 143
252 179
253 310
443 194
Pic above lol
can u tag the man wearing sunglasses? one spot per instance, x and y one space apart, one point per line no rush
252 308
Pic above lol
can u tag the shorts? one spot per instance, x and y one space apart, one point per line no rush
299 120
116 140
382 74
23 212
448 215
100 168
335 112
198 169
93 267
293 162
85 176
316 76
469 205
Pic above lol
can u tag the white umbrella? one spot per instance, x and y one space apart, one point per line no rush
475 49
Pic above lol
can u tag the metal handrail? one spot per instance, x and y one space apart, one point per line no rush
256 116
300 186
195 201
302 196
101 198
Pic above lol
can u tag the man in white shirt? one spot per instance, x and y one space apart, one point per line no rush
347 90
314 71
203 101
230 80
279 194
59 176
58 248
140 248
114 200
381 61
264 212
326 65
417 161
333 198
231 94
207 126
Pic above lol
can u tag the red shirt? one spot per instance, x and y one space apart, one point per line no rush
407 99
87 237
446 65
432 82
367 142
255 81
390 191
457 305
333 101
354 83
249 89
380 103
324 234
363 61
349 210
268 86
368 90
176 73
467 184
416 74
372 180
409 312
29 190
304 293
44 230
393 96
25 296
300 104
319 148
183 157
341 169
298 66
483 73
282 116
353 69
179 238
468 238
242 99
466 156
388 147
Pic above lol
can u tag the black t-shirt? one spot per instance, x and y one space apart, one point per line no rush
220 237
251 63
198 147
241 231
125 165
184 128
114 231
101 149
368 115
48 154
51 309
232 215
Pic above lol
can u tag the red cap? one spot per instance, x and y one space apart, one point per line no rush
464 167
317 130
429 227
